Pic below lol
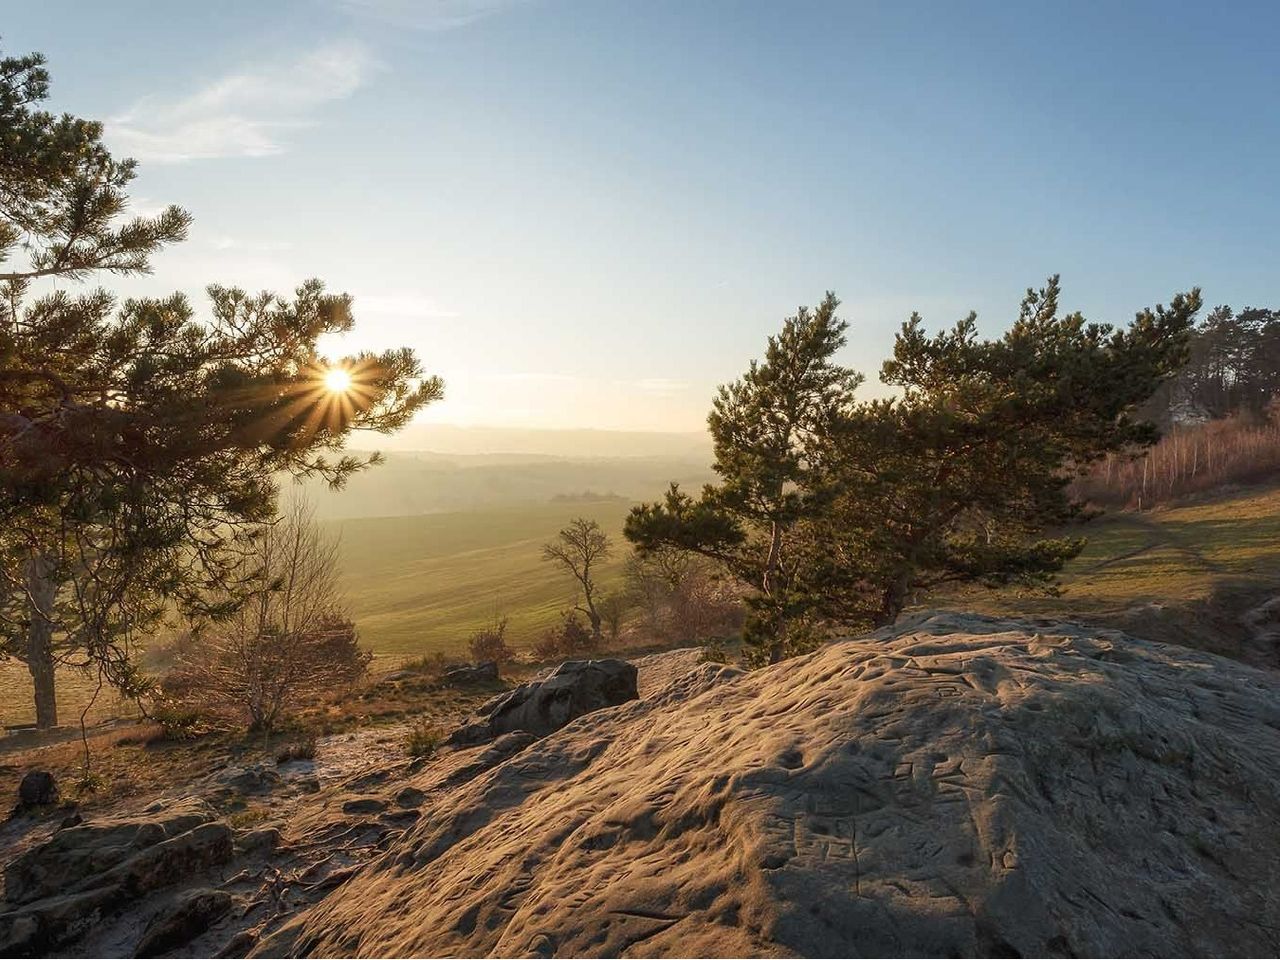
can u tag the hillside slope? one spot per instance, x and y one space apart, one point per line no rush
419 584
961 786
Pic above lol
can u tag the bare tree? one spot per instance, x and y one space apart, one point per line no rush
581 546
289 641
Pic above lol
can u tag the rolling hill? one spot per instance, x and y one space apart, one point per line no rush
420 584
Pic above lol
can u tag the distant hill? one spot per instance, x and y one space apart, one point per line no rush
571 444
409 484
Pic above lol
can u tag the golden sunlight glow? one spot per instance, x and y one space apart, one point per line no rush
337 380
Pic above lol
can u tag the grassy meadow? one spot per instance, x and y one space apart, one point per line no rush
421 584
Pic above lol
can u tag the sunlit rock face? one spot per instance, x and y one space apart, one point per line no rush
954 786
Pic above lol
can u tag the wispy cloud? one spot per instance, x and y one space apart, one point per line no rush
248 113
426 14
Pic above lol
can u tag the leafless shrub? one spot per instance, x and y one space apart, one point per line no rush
1188 460
290 641
490 643
680 599
568 638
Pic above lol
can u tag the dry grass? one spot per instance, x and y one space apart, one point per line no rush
1186 461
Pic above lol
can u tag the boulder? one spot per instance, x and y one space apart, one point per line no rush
37 789
264 839
486 672
190 914
63 887
540 707
957 786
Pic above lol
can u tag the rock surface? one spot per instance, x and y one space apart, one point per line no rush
959 786
190 915
540 707
486 672
61 888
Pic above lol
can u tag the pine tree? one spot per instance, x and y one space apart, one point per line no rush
141 444
843 512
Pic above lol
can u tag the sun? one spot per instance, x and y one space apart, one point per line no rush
337 380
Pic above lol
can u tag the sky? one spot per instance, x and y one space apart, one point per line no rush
589 214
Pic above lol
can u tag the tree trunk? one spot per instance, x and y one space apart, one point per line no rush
41 593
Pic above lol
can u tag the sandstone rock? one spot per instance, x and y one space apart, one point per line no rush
191 914
72 858
64 886
575 688
37 789
959 786
364 805
264 839
410 797
256 778
486 672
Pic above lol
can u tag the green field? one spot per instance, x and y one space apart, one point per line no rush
424 583
420 584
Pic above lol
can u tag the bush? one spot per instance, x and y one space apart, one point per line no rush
569 638
286 640
177 720
422 740
490 643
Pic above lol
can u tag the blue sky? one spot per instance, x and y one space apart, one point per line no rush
587 214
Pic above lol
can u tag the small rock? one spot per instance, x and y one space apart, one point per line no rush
191 914
397 676
37 789
364 805
486 672
239 945
264 838
258 778
410 797
72 821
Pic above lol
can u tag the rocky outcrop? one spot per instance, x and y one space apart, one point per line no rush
540 707
187 917
958 786
60 888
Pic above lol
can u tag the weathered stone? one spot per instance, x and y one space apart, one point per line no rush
956 786
191 914
264 839
37 789
486 672
542 706
72 858
410 797
364 805
257 778
84 874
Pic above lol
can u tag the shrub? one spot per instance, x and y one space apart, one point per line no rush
286 640
568 638
422 739
490 643
177 720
